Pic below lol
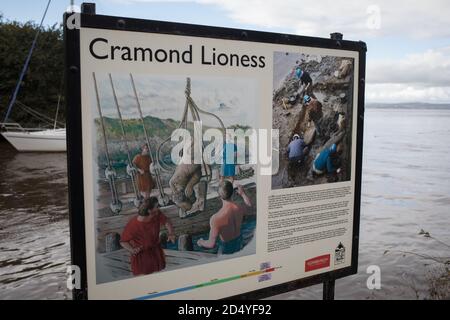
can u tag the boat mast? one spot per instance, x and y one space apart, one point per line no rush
110 173
25 67
59 101
131 170
164 198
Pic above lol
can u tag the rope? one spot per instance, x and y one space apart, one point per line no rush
157 174
158 152
59 100
195 113
209 114
196 117
102 124
40 116
57 111
131 171
110 174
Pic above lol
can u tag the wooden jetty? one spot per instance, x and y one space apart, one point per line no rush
109 226
116 265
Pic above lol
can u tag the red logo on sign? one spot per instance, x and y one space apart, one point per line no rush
317 263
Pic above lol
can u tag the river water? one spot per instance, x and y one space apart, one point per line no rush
406 188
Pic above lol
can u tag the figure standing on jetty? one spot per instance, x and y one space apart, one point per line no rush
141 238
142 163
226 223
229 159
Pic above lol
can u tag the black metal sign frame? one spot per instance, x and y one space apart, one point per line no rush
88 18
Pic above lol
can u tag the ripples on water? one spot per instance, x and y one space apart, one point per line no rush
406 188
34 234
406 174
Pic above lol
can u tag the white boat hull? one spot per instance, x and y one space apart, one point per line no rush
38 141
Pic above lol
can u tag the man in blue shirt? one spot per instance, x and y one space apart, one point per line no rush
296 149
327 161
229 156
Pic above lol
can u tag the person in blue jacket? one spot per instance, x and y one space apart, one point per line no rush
327 161
305 81
229 156
296 149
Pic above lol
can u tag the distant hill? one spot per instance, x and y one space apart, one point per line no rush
133 127
157 128
408 105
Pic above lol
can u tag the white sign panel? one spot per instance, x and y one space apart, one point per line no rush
214 167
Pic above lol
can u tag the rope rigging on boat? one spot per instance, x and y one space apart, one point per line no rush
164 199
195 111
25 66
183 124
110 173
61 87
39 116
131 170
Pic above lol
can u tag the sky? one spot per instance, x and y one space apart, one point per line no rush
164 97
408 41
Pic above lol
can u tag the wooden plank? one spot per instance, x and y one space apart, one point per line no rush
190 255
127 197
118 264
193 225
190 225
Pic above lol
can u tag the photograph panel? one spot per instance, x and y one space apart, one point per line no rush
312 108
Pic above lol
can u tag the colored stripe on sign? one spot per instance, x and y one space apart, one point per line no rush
205 284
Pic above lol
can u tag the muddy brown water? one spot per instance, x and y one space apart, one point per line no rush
406 188
34 229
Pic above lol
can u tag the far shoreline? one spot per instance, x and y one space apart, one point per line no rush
409 106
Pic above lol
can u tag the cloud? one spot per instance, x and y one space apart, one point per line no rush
430 68
354 18
394 93
420 76
163 97
417 77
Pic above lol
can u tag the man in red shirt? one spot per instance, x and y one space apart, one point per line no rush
141 238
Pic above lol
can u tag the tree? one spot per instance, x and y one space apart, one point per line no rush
42 83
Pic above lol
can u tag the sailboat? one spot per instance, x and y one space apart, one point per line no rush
35 139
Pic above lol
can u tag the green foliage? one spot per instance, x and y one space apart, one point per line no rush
239 127
42 83
133 128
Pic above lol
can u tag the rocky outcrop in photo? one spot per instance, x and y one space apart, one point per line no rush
324 122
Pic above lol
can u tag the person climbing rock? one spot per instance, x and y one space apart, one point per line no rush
142 163
327 161
226 223
296 150
141 238
305 81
